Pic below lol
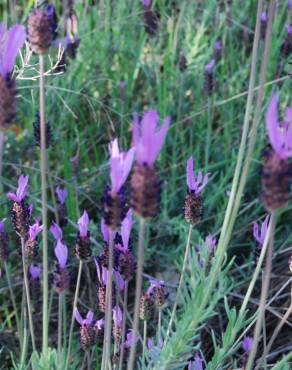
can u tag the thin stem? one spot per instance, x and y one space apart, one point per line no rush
159 324
72 318
209 130
2 142
25 335
275 333
139 279
264 294
60 303
184 266
44 206
12 296
64 320
28 302
144 343
125 309
108 312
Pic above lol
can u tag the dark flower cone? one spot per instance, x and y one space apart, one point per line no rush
114 208
62 213
40 32
145 191
127 265
182 62
83 248
160 296
209 83
37 132
276 179
7 101
20 216
87 337
151 21
146 307
61 280
193 208
101 294
3 246
263 29
103 257
30 249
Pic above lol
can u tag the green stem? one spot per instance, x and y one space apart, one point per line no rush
28 302
264 294
144 343
184 266
44 205
2 142
209 130
25 335
12 296
60 298
125 309
64 320
72 317
139 280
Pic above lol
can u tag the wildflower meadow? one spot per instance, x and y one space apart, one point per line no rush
145 184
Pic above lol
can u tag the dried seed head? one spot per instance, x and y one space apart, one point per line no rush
101 293
146 307
3 243
87 337
127 265
145 194
160 295
193 208
7 101
20 216
61 280
114 208
83 247
40 31
37 132
276 178
151 21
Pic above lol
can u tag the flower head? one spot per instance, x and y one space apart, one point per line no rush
11 41
83 223
197 186
146 3
126 228
209 67
264 17
99 325
260 237
35 272
117 316
280 133
147 138
119 280
196 364
247 344
21 190
155 284
101 273
61 253
210 243
218 45
120 165
34 230
56 231
83 322
61 194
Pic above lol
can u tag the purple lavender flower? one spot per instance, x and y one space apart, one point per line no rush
83 322
264 17
61 253
280 133
218 45
210 243
147 138
146 3
289 4
119 280
56 231
247 344
102 273
129 339
196 364
209 67
155 284
196 186
126 229
117 316
34 230
289 29
61 194
217 51
260 237
120 165
83 223
35 272
11 41
21 190
99 325
2 227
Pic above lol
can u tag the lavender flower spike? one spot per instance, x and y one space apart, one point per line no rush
210 242
196 186
247 344
260 237
11 41
21 190
117 316
126 228
83 223
197 364
209 67
56 231
61 194
61 253
83 322
280 133
120 165
35 272
34 230
147 138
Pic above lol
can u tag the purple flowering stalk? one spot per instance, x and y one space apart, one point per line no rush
196 364
148 140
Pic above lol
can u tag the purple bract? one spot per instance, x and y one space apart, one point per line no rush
21 190
260 237
83 223
35 272
61 253
194 185
61 194
56 231
80 320
34 230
